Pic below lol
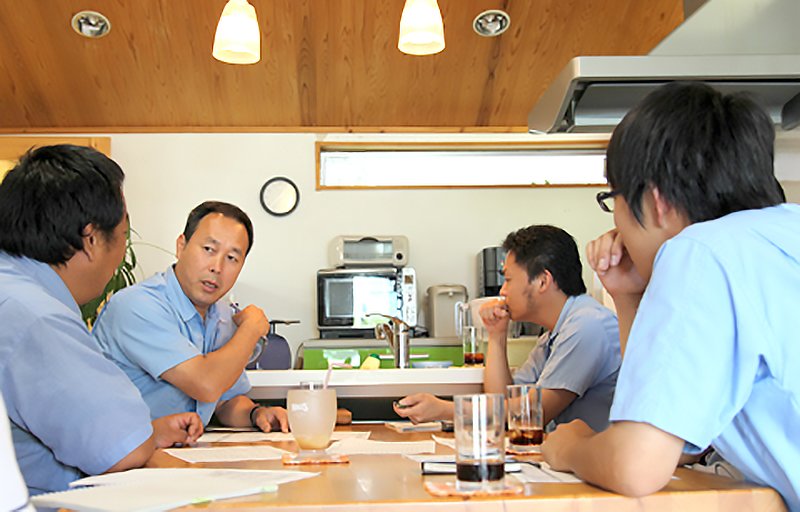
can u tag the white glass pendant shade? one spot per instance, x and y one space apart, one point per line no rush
238 39
421 29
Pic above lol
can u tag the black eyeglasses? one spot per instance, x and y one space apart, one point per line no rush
603 200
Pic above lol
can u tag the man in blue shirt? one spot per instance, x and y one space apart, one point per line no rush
63 228
709 254
575 362
175 338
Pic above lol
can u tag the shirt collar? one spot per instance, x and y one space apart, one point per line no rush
563 315
45 276
185 307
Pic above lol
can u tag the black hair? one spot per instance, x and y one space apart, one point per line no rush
226 209
52 194
708 154
540 248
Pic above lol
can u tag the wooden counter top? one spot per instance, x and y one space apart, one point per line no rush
389 483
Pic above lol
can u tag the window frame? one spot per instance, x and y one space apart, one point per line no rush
595 143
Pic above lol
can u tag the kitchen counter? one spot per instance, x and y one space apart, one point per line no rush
273 384
316 353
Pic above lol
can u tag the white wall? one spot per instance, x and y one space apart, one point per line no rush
737 27
169 174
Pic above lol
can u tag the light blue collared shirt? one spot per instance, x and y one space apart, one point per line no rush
151 327
581 354
713 356
72 411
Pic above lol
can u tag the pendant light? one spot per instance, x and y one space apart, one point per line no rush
421 30
238 38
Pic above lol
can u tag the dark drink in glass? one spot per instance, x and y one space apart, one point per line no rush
473 358
525 417
526 437
480 471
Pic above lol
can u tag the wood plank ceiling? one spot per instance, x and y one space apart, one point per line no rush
327 65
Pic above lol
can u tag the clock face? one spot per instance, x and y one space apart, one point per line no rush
279 196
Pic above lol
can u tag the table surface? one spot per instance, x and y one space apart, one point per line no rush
387 483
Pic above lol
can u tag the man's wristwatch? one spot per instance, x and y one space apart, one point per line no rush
252 414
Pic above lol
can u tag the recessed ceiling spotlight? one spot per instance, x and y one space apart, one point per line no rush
491 23
91 24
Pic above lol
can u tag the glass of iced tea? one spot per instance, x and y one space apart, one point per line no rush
471 346
525 417
480 442
312 416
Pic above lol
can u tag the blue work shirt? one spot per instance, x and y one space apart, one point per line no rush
582 355
713 356
151 327
72 411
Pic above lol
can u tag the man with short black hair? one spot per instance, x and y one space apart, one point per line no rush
704 268
63 228
180 344
575 362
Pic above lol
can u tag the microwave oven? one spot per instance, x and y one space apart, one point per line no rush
345 296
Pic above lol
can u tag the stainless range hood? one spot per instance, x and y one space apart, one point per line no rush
592 94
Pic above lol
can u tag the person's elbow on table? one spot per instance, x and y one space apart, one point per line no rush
629 458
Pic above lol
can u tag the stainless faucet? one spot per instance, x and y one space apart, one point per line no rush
397 335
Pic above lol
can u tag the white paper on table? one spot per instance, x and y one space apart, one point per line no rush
151 494
273 437
543 474
226 454
353 446
254 476
446 441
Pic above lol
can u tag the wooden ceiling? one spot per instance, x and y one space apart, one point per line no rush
327 65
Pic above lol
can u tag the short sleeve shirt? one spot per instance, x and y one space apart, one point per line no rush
150 327
13 494
582 355
713 356
72 411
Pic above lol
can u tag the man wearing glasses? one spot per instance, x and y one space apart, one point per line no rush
704 268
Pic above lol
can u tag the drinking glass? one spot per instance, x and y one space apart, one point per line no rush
312 416
473 356
480 442
525 417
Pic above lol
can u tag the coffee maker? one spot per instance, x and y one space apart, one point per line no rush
490 271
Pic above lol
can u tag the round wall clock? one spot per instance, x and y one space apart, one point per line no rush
279 196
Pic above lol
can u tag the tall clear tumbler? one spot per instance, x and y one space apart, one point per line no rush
480 441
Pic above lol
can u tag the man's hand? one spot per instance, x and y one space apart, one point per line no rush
495 317
422 407
272 418
254 319
182 428
609 258
558 444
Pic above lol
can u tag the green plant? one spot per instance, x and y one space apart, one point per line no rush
122 277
